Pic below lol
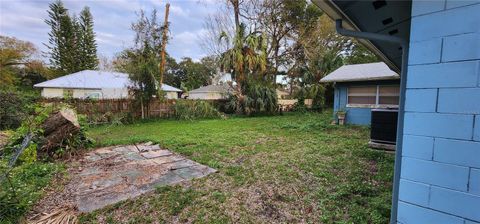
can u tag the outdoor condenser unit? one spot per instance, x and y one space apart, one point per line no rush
384 126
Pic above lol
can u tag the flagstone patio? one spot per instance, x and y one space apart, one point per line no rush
112 174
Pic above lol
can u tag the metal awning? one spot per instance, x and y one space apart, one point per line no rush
374 16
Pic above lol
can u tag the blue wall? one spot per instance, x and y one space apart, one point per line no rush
359 116
440 170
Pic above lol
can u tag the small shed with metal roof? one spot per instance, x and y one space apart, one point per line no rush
210 92
359 88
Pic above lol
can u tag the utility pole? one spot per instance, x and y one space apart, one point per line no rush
164 44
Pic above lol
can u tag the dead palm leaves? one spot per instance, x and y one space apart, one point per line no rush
60 216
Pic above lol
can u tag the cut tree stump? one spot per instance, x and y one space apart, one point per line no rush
59 127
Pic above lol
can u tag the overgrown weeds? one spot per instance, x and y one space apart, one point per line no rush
194 109
253 98
23 172
23 187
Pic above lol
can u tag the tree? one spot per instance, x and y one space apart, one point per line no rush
88 46
216 25
247 61
142 68
360 54
18 63
62 39
141 61
71 43
13 52
195 74
247 57
189 74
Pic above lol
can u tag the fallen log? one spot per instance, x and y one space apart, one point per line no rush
58 119
59 127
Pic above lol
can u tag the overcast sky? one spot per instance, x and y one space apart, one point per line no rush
24 19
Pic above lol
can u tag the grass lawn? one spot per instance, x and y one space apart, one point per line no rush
290 168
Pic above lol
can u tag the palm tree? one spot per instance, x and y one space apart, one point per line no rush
248 55
247 62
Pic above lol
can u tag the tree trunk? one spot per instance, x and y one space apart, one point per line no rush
59 127
236 11
164 45
62 117
143 108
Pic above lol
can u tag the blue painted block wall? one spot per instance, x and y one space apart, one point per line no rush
440 173
355 115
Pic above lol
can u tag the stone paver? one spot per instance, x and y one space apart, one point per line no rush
112 174
155 154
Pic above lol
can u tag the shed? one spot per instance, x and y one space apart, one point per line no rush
210 92
91 84
361 87
436 47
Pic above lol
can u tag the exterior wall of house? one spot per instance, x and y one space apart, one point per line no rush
84 93
171 95
440 167
355 115
206 96
105 93
112 93
52 93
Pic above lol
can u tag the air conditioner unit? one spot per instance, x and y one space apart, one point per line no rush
384 126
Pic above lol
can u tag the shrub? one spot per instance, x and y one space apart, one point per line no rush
22 180
255 99
15 106
194 109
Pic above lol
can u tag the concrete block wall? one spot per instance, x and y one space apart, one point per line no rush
440 174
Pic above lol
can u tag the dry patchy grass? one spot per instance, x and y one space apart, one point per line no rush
285 169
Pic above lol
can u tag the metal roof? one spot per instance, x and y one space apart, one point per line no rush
388 17
222 88
90 79
361 72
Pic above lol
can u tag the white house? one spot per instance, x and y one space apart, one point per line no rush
94 85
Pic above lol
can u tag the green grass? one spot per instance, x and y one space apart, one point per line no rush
291 168
28 181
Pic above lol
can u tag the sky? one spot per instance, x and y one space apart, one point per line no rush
24 19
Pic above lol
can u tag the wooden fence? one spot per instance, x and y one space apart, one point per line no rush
106 110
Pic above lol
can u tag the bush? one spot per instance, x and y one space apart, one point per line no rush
22 181
255 99
15 106
194 109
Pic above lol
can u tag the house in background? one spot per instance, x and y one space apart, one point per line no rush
360 88
436 46
90 84
210 92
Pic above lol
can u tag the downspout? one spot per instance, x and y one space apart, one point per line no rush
401 111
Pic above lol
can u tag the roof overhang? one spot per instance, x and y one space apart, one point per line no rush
62 87
376 16
365 79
